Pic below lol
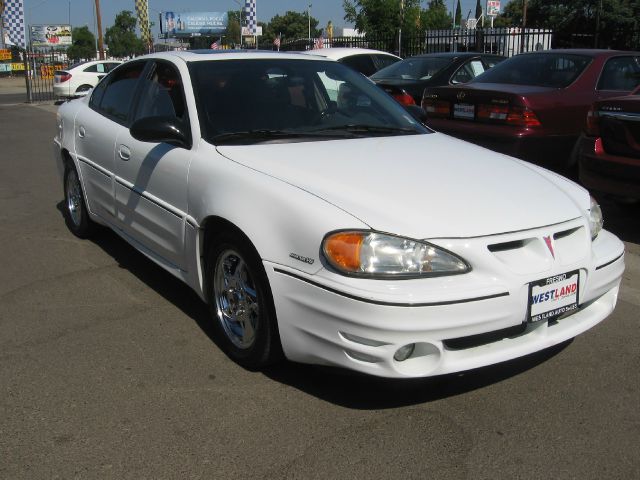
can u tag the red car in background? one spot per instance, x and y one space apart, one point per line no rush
609 150
533 106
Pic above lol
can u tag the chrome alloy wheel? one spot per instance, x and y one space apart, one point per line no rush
236 299
74 197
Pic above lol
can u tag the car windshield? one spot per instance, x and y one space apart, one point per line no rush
260 100
555 70
416 68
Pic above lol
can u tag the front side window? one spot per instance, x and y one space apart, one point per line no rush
554 70
249 101
115 97
620 73
162 94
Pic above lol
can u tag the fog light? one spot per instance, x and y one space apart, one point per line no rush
404 352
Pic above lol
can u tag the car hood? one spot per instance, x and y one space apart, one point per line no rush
420 186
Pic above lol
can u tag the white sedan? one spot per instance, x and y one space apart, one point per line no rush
78 79
330 232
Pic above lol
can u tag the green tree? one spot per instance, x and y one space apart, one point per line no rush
84 44
458 16
436 16
478 9
292 26
233 27
383 17
121 37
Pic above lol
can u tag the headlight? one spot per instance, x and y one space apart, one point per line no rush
376 255
595 218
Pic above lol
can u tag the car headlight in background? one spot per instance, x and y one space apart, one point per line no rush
378 255
595 218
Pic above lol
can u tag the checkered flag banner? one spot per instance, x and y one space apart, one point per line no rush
142 9
13 20
250 16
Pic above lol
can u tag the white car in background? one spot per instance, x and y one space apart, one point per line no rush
78 79
363 60
336 233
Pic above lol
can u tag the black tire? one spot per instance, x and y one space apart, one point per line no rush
241 303
75 210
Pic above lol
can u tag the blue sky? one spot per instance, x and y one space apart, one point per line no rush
57 11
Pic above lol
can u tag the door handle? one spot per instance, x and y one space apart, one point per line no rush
82 132
124 153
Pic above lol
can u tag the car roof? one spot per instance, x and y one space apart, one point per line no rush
207 55
336 53
592 52
88 63
455 55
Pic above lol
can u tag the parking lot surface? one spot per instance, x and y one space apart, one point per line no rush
108 369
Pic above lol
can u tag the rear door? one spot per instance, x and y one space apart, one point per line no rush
96 130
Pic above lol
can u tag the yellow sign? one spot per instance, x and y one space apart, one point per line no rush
17 66
5 54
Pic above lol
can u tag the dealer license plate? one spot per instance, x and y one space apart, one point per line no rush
553 296
464 110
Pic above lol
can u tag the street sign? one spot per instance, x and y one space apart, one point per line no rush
493 8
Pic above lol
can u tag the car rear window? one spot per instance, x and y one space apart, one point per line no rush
554 70
413 69
620 73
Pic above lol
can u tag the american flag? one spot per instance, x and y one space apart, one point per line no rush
215 46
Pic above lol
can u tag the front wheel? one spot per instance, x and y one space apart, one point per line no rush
241 303
75 210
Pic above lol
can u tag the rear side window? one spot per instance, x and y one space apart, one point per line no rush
361 63
383 61
468 72
115 97
620 73
91 68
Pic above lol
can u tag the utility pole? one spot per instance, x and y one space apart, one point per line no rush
100 40
309 19
400 28
524 25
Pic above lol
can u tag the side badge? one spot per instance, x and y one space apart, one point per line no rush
302 259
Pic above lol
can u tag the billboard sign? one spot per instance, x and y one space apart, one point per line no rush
246 31
51 35
493 8
188 24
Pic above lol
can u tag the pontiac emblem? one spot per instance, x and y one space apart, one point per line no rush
547 240
461 95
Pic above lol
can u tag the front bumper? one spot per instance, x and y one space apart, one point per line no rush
457 323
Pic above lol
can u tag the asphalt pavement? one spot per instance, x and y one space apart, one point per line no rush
108 369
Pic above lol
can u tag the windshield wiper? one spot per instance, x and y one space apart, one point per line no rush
361 128
265 134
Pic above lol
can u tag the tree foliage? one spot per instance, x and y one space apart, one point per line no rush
436 16
121 36
383 17
617 17
478 9
458 15
292 26
84 44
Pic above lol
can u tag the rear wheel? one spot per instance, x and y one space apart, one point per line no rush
241 303
75 210
82 89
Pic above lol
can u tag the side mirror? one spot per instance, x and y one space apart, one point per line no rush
161 129
417 112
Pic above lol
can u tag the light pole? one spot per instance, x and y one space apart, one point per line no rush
239 19
309 19
400 28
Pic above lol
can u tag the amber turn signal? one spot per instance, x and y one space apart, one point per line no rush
342 249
